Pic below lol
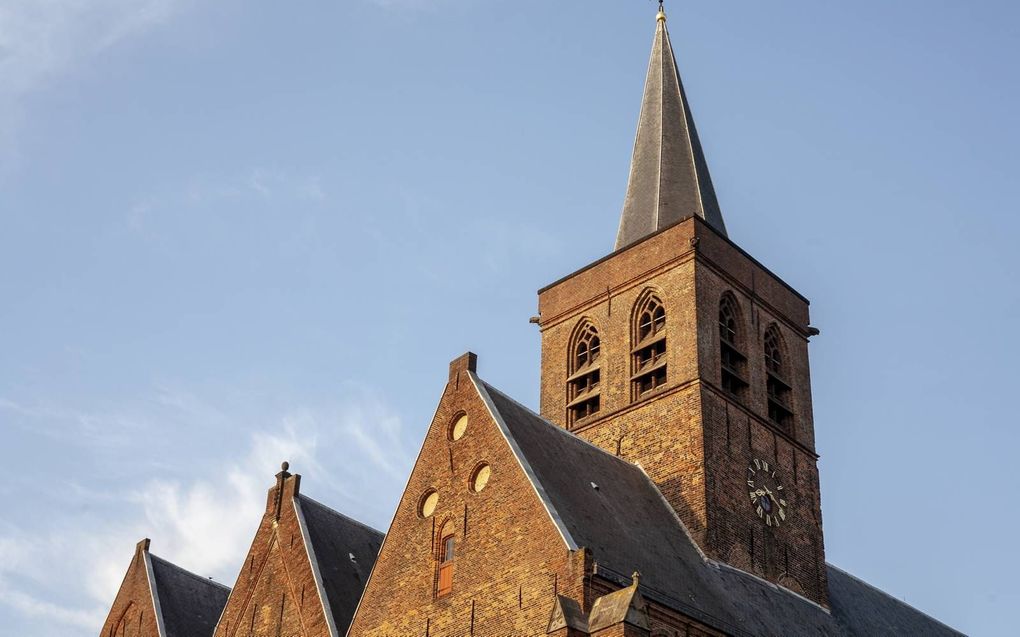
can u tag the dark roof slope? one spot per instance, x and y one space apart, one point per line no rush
611 507
345 550
190 604
862 609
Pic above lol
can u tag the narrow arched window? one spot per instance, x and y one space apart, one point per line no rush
447 544
777 385
648 355
732 361
584 373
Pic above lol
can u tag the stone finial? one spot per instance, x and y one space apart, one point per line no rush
635 579
285 466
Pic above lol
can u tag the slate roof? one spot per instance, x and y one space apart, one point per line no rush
190 604
669 179
611 507
344 551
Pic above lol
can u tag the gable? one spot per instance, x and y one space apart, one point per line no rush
510 555
298 578
133 611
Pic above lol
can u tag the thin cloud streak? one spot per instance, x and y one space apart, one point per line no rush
204 523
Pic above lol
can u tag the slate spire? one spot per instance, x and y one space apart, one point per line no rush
669 178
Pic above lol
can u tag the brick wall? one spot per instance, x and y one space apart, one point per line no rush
510 559
275 592
695 440
132 614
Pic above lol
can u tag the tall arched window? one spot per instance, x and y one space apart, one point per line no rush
444 556
584 373
733 362
777 386
648 354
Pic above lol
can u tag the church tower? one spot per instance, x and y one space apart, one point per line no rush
683 354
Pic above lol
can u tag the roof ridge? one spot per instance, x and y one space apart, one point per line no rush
191 574
777 587
563 431
892 597
339 514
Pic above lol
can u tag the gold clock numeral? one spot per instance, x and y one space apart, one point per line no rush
782 513
760 512
757 463
768 519
750 483
754 496
782 502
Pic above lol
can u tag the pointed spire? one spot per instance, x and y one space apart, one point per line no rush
669 178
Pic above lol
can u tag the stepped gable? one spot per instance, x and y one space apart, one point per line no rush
345 551
190 605
610 507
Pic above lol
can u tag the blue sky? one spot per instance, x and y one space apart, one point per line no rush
233 233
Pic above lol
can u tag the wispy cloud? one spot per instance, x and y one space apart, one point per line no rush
205 520
270 186
41 40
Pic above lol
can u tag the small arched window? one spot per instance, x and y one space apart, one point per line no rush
777 386
584 373
447 545
648 355
733 362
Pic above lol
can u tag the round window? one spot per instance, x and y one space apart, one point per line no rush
427 504
459 427
481 477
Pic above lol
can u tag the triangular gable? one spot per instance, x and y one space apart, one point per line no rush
298 578
160 599
506 536
135 608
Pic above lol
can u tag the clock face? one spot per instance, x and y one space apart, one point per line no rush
767 496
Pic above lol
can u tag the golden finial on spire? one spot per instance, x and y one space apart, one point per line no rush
662 13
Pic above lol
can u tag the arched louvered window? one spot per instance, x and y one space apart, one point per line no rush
732 361
584 373
648 355
777 386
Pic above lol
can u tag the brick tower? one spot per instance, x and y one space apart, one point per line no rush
681 353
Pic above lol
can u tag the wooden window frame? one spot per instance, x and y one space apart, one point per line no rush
732 361
445 563
584 373
778 391
649 351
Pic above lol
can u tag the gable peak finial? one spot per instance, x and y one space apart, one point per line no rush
662 12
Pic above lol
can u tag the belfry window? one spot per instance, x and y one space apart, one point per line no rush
585 374
777 387
446 553
648 355
732 361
